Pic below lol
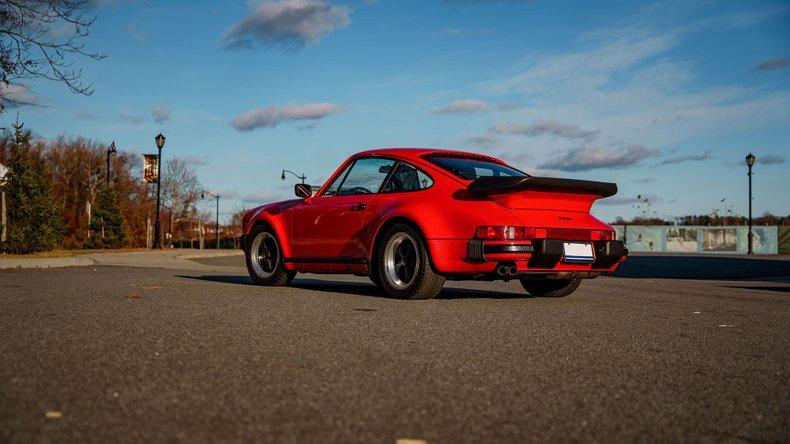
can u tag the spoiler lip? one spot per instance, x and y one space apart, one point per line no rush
494 185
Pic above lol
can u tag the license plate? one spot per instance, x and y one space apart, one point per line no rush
578 252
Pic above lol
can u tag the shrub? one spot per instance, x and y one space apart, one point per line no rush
106 225
33 216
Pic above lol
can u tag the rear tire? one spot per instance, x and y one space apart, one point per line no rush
550 288
265 259
404 267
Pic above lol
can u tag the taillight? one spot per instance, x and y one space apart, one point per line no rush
535 233
509 233
602 235
499 233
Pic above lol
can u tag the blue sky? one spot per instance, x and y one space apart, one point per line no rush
664 98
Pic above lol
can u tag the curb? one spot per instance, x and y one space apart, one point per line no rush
54 262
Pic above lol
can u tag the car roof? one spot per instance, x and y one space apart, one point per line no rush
420 153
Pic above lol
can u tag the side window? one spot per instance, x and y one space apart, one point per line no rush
485 172
366 176
332 190
407 178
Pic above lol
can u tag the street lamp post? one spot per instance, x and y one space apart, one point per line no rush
110 150
750 163
160 142
302 177
215 196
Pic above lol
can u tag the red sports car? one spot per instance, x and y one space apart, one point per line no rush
412 218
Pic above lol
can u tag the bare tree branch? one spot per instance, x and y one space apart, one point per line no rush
39 40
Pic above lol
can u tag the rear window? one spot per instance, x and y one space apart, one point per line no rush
471 169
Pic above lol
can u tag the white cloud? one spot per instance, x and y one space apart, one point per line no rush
487 1
260 197
585 158
688 158
543 128
561 77
14 95
509 106
272 116
483 141
131 118
84 115
772 159
134 33
194 160
291 23
160 113
773 64
623 85
467 106
454 32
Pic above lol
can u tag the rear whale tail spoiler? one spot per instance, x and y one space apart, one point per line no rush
504 184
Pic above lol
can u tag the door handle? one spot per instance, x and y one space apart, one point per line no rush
359 207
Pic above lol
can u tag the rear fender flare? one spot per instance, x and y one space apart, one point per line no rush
382 229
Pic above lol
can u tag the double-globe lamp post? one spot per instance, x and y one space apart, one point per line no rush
215 196
160 143
750 159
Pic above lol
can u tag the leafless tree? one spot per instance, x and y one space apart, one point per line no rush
40 39
180 191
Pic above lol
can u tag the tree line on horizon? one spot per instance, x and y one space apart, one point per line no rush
58 195
712 219
721 216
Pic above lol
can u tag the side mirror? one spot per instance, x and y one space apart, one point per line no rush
303 190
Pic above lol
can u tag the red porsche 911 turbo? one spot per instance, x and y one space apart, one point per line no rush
412 218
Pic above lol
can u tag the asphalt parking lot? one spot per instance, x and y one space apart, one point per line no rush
671 349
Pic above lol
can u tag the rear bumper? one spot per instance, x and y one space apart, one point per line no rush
549 252
478 256
543 253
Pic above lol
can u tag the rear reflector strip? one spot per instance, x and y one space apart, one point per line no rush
525 233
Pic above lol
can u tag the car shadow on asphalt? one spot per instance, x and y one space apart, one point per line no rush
365 289
784 289
230 279
702 267
358 288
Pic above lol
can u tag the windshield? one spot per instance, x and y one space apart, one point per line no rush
471 169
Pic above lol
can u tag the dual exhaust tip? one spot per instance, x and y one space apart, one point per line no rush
504 271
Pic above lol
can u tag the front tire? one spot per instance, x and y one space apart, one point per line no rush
265 259
550 288
404 267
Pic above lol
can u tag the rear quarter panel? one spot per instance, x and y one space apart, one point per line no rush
443 212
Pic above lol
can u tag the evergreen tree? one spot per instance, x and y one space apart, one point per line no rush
34 221
107 225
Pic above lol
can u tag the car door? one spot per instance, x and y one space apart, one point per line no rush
401 188
329 225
